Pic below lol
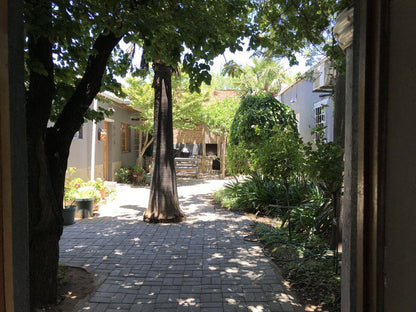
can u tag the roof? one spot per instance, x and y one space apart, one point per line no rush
310 70
117 101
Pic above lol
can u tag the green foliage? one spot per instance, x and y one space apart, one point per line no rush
88 191
280 155
306 264
141 96
262 195
167 31
325 162
71 186
62 276
123 175
130 175
226 198
265 75
98 184
285 28
255 121
188 107
219 115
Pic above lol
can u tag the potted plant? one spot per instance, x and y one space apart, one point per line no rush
69 207
99 186
84 198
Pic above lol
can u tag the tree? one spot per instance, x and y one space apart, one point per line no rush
187 107
163 201
265 75
141 97
254 123
219 116
72 54
285 28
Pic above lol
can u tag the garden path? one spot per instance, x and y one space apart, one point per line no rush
201 264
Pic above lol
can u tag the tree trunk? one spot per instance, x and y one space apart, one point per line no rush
142 149
223 156
46 180
48 150
163 202
45 221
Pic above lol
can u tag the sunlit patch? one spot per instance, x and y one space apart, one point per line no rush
118 252
231 270
231 301
69 295
258 308
253 275
217 255
105 257
212 268
283 297
187 302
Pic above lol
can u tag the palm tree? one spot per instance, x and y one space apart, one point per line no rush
265 75
163 202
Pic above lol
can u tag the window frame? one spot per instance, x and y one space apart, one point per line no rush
125 136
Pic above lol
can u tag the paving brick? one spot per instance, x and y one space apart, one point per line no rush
201 264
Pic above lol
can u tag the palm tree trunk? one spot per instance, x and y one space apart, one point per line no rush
163 202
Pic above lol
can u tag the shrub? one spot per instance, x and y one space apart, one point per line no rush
305 263
124 175
88 191
254 122
133 174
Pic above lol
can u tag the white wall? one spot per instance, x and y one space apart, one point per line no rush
80 152
301 99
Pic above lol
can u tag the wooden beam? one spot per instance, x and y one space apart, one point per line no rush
6 251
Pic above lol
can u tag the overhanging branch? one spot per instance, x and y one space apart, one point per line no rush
72 116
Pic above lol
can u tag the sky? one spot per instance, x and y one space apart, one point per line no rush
241 58
244 58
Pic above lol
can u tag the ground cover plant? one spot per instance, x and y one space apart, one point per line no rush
307 265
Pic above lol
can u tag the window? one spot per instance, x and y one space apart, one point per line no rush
298 121
320 120
320 116
125 138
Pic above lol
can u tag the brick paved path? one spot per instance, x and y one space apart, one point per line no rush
202 264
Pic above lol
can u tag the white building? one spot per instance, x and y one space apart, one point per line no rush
311 99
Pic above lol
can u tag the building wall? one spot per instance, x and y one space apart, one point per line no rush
301 98
80 152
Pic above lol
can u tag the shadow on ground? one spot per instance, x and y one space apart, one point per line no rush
203 263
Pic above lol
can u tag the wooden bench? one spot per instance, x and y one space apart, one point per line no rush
187 166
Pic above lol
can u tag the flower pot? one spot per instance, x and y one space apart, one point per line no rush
68 214
148 178
85 207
